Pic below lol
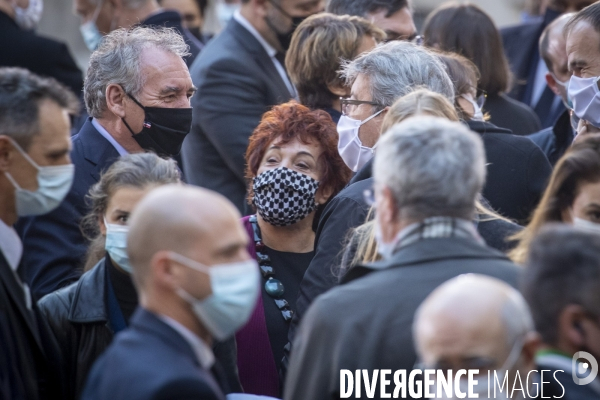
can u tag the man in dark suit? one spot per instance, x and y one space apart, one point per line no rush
555 140
54 245
196 281
529 69
240 75
477 322
100 17
562 286
35 175
428 173
22 47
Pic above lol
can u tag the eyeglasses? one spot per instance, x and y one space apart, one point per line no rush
349 105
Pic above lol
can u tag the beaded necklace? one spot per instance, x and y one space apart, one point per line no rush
273 286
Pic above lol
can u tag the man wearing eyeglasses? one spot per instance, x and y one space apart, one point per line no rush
392 16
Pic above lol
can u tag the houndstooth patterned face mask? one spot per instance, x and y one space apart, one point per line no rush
283 196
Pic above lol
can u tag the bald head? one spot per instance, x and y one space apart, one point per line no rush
196 223
553 45
470 316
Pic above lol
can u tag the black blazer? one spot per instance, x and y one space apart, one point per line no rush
554 141
53 245
150 360
237 82
40 55
78 318
28 355
517 171
512 115
366 323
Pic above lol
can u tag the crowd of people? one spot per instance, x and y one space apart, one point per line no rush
316 195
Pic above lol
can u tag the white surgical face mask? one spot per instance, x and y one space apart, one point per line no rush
235 288
477 113
225 11
116 245
54 182
585 95
586 225
89 31
354 154
29 18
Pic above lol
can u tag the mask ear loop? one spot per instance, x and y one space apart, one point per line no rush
141 106
364 122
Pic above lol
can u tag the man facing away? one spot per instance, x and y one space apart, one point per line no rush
195 281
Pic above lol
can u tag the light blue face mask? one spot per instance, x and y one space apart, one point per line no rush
116 245
54 182
235 288
90 33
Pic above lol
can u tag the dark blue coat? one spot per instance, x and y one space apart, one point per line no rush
150 360
53 245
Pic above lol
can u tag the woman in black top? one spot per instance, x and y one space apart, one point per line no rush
467 30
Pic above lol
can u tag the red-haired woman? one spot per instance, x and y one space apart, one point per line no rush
294 168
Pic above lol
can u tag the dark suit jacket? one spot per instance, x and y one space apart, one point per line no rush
560 385
554 141
521 46
53 245
237 82
40 55
172 19
28 355
517 171
512 115
366 323
344 212
150 360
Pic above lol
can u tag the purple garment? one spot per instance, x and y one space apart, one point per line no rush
257 369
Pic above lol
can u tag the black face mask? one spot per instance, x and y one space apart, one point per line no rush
164 129
285 38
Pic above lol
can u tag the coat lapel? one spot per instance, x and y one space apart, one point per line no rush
96 149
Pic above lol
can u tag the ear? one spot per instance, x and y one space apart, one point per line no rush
116 99
339 90
163 270
570 322
323 195
386 206
260 7
531 345
6 150
552 83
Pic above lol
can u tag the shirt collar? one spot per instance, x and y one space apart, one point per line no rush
271 51
205 356
10 245
120 149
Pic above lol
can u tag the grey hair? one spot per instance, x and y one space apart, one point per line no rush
396 68
434 167
129 4
117 61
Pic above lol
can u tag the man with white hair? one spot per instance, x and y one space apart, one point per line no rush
477 322
137 92
428 172
377 78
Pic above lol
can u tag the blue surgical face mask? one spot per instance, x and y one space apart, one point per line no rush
54 183
89 31
29 18
585 95
565 85
116 245
235 288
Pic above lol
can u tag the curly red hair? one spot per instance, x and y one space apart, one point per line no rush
289 121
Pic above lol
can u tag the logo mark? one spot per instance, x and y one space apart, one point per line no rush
580 368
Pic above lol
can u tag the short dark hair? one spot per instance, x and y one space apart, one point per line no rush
590 14
467 30
361 8
20 95
563 268
556 26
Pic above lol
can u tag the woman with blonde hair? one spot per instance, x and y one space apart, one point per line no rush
493 228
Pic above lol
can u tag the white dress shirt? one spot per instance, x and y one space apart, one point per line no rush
120 149
205 356
10 245
271 51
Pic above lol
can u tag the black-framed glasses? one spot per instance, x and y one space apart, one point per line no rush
349 104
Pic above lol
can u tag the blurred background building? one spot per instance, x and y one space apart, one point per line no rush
59 20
